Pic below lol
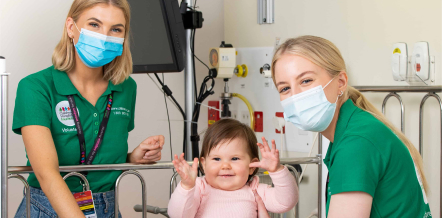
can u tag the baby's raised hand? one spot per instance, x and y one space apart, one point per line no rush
270 157
187 173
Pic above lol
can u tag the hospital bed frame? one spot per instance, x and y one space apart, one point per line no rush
129 168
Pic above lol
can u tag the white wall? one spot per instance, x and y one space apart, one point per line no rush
30 30
364 31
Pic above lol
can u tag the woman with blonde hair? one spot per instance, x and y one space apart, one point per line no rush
374 170
80 111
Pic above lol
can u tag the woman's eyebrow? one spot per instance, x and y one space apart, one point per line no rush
99 21
297 77
281 83
118 25
304 73
93 18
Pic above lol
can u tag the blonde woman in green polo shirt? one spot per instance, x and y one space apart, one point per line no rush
374 170
80 111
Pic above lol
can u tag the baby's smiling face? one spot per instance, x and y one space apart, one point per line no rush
227 165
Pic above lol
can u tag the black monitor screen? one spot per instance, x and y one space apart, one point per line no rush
149 41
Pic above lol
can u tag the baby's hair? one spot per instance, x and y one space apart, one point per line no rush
229 129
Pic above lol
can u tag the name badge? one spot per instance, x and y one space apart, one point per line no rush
86 203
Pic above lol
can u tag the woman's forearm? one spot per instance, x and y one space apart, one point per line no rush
59 195
44 161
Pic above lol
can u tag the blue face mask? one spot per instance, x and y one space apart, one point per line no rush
97 50
310 110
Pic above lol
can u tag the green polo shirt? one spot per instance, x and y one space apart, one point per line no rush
367 156
42 100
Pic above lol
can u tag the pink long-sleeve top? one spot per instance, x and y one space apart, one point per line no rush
204 201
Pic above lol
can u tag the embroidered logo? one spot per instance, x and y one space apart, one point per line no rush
64 113
121 111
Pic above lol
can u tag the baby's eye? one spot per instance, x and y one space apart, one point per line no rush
284 89
235 158
216 159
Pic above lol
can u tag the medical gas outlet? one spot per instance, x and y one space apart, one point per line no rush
265 71
399 61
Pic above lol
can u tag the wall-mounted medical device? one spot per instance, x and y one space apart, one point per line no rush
224 60
420 61
265 71
399 61
416 69
266 11
158 40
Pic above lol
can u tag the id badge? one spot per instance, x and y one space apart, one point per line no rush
86 203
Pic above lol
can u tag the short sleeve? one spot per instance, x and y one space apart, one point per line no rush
32 105
131 125
355 166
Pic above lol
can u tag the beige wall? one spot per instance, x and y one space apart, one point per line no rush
29 31
364 31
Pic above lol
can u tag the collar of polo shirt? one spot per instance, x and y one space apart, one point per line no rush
64 86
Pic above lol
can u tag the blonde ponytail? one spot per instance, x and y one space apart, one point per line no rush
326 55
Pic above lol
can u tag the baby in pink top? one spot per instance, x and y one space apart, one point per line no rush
229 158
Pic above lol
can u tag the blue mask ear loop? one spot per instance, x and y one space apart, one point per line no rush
328 83
339 94
73 41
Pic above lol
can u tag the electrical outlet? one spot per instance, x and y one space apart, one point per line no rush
245 117
234 114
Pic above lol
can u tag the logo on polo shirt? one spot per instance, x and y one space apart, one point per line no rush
64 113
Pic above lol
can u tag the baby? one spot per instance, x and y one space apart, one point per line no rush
229 158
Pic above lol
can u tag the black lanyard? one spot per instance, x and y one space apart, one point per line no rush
80 132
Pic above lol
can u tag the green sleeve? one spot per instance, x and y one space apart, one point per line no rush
32 106
132 114
356 166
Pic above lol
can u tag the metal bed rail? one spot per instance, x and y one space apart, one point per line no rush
398 97
127 168
399 88
131 166
27 192
4 138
